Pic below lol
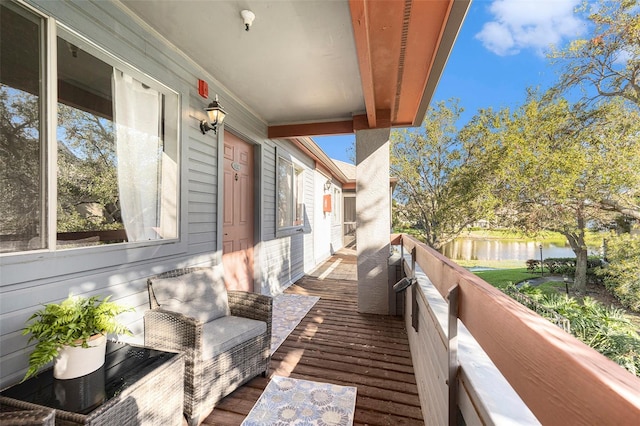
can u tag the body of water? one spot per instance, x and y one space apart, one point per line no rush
491 249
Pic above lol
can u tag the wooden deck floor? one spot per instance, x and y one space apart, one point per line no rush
336 344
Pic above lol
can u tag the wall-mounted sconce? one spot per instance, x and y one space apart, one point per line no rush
247 17
327 185
216 116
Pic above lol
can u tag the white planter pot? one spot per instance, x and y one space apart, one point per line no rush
76 361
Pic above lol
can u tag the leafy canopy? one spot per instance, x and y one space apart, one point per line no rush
440 185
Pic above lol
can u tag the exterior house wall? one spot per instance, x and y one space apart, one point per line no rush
337 231
28 280
284 255
322 233
328 231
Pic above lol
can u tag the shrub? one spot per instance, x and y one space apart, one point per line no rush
533 265
622 275
605 329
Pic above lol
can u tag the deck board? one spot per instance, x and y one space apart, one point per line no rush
336 344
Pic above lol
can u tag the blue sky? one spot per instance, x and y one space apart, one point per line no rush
499 52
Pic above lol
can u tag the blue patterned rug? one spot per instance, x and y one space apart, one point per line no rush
288 310
287 401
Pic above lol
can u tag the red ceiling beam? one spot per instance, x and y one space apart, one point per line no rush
310 129
359 122
361 31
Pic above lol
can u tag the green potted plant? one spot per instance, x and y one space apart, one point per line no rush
73 335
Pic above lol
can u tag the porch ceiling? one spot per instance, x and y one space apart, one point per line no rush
317 67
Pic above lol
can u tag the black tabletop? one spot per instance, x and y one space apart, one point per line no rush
124 365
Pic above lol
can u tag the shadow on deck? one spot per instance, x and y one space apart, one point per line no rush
336 344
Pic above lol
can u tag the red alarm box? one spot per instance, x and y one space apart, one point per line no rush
203 89
326 203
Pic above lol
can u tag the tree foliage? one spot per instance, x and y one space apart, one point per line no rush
87 189
20 171
560 163
439 187
87 173
604 328
622 275
608 63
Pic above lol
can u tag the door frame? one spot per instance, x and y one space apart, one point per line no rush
257 204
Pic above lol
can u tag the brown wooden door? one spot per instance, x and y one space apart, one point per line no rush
237 240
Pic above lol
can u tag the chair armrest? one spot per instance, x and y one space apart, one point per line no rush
15 412
251 305
172 331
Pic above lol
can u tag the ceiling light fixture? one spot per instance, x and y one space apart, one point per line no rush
216 116
247 17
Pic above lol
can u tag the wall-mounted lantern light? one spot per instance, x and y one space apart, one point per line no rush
327 185
216 116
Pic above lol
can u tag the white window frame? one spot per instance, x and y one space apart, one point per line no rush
297 195
15 265
336 206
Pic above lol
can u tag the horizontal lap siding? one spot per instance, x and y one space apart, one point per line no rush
25 286
309 205
269 191
203 189
336 236
282 260
83 272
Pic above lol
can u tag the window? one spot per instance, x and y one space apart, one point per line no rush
290 194
349 213
336 212
23 213
116 145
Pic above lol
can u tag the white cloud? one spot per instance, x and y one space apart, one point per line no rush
530 24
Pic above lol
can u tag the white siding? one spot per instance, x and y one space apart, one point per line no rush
337 230
310 196
322 231
283 258
30 280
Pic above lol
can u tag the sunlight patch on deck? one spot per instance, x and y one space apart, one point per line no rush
330 269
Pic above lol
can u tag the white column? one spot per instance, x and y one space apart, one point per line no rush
373 220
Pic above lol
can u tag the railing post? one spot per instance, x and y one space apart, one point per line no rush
452 296
415 310
413 262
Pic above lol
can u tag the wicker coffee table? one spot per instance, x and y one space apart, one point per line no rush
136 386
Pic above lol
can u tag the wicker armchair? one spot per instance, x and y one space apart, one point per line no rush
215 363
18 413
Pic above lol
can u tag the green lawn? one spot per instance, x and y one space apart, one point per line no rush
500 278
553 287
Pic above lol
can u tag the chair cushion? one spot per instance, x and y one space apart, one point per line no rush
226 332
199 294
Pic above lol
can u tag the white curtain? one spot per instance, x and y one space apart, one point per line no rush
136 114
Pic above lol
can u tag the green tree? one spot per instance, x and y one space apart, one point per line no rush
622 274
438 187
608 63
20 170
87 188
87 173
559 162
